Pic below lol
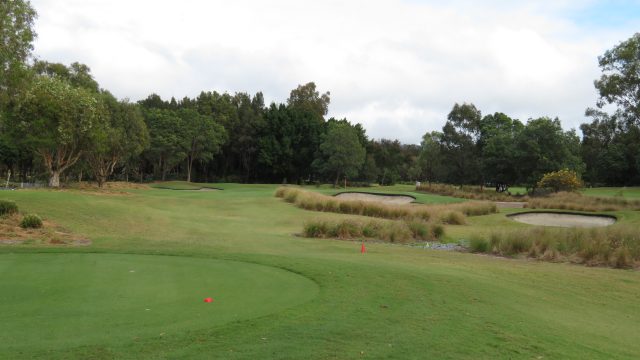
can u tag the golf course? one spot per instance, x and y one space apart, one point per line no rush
135 287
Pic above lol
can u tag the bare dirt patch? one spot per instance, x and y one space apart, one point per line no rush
563 219
50 234
384 198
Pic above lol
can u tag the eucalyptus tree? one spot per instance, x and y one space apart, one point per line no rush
56 121
341 152
121 135
16 39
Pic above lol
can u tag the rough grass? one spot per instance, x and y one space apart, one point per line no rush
470 192
614 246
389 231
578 202
453 214
31 229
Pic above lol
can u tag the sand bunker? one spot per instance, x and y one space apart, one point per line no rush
385 198
563 219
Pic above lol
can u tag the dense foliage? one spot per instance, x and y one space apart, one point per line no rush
57 124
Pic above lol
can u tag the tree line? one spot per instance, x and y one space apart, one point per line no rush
58 124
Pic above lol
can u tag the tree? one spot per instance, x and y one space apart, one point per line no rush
306 97
341 153
122 134
461 143
430 158
16 39
56 120
388 155
542 146
201 137
165 133
76 74
619 83
611 142
498 134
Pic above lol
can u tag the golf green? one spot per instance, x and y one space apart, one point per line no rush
109 298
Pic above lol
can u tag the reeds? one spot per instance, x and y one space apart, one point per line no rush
615 246
579 202
389 231
454 214
470 192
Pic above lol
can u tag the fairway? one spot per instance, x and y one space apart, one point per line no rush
278 295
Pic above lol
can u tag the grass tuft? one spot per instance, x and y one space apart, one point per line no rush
8 207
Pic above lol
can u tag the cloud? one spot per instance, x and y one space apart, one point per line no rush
397 67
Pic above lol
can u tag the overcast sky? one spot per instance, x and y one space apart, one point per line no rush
397 67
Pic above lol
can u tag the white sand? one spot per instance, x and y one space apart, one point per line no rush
389 199
563 220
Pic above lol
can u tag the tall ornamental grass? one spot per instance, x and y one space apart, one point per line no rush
454 214
389 231
615 246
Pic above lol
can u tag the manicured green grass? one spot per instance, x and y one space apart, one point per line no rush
83 299
626 192
392 302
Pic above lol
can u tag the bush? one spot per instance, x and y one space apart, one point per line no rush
561 180
31 221
8 207
438 231
478 245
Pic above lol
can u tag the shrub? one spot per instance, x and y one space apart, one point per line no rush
561 180
8 207
478 245
419 230
437 230
315 229
31 221
453 218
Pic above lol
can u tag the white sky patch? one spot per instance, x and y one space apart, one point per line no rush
397 67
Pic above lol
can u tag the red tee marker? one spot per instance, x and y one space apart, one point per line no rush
208 299
363 249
